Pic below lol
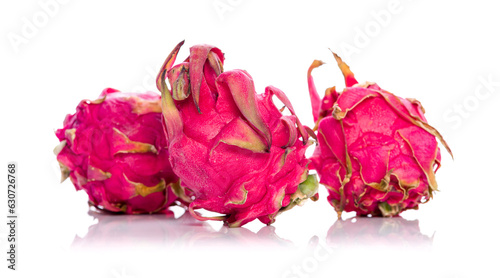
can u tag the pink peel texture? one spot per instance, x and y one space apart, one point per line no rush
234 151
114 149
376 153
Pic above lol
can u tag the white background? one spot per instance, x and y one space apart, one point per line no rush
52 56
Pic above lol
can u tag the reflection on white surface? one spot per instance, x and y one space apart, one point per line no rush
377 231
114 231
164 230
126 243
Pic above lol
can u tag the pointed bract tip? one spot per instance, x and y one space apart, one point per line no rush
346 71
337 57
160 78
315 64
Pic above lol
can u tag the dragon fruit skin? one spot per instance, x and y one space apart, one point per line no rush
377 155
115 150
232 148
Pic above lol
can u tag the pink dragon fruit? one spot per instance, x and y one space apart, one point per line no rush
233 149
115 150
377 154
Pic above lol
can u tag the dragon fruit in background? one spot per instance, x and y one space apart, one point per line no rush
114 149
232 148
377 155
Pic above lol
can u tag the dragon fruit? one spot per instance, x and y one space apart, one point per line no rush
115 150
377 155
233 149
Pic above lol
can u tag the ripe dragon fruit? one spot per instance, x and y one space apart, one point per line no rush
233 149
115 150
377 154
